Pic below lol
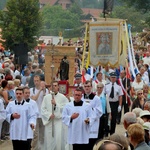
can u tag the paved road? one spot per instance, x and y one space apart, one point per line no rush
8 146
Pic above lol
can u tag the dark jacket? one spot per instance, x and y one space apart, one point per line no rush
136 104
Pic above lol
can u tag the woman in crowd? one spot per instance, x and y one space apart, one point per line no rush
11 89
4 92
139 101
4 96
137 85
17 83
146 92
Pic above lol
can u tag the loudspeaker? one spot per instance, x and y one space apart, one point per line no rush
21 53
108 6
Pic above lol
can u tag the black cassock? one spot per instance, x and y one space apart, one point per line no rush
64 69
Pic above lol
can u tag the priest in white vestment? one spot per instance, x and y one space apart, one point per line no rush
77 115
58 101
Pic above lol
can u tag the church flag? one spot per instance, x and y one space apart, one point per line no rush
105 42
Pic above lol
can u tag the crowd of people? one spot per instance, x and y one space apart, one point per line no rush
38 117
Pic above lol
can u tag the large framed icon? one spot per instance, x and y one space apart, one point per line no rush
64 87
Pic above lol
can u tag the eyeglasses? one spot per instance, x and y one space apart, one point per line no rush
100 143
140 93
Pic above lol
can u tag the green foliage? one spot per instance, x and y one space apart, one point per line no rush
57 19
143 5
76 9
20 22
135 18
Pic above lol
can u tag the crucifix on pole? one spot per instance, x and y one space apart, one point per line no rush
52 79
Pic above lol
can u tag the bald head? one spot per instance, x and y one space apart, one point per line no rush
129 118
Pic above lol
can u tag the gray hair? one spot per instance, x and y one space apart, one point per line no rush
7 71
130 117
137 111
100 84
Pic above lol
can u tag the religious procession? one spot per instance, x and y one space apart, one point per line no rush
72 95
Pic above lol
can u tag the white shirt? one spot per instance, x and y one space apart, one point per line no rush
17 73
137 86
34 91
117 91
145 78
146 60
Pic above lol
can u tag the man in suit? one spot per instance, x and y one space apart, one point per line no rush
125 85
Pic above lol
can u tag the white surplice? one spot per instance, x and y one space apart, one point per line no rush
96 106
78 130
56 142
36 113
19 127
2 115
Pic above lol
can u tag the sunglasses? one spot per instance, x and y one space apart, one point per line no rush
101 143
140 93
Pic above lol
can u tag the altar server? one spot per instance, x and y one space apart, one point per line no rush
96 106
21 117
26 93
77 115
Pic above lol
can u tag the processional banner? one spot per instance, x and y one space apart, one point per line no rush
105 42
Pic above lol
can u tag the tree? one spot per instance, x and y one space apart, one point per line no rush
142 8
76 9
136 19
20 22
143 5
57 19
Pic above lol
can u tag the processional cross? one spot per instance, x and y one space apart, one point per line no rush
52 51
